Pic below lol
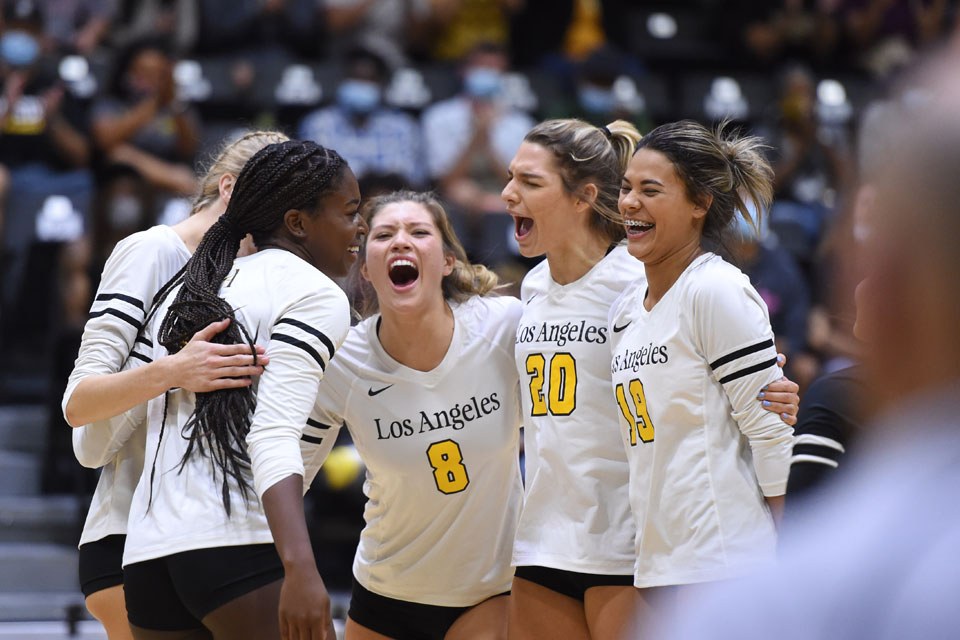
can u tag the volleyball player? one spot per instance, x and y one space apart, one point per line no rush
199 559
574 552
428 390
135 271
708 466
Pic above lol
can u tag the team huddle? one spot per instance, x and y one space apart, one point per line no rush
214 375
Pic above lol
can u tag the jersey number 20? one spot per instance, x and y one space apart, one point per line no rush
639 421
447 463
561 382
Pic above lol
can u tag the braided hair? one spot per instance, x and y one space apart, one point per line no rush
279 177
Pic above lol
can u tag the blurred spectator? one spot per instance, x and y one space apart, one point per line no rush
460 25
778 280
43 150
261 26
174 20
790 29
537 31
372 137
470 140
810 162
75 26
599 98
142 124
886 33
584 34
388 27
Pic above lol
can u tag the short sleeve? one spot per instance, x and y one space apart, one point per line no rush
732 329
303 338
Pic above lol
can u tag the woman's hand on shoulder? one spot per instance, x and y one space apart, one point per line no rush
781 396
206 366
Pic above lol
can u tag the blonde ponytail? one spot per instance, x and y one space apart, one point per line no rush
230 160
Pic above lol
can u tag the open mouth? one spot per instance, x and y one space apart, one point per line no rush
354 249
403 273
637 227
522 226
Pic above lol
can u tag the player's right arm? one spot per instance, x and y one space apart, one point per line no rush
97 389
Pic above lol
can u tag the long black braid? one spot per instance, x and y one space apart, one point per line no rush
279 177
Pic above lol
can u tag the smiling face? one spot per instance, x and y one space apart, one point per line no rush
335 230
405 259
544 212
659 217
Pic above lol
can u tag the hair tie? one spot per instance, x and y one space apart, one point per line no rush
606 131
233 232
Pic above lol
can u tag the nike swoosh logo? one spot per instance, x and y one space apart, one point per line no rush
371 392
617 329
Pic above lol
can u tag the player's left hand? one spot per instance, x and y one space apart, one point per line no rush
782 396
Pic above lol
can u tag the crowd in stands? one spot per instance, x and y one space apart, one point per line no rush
108 108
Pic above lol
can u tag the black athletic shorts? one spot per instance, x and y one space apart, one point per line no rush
176 592
402 620
571 583
101 564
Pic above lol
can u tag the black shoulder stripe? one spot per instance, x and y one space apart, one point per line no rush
311 439
144 340
314 332
113 312
816 450
140 356
301 344
119 296
730 357
748 371
317 425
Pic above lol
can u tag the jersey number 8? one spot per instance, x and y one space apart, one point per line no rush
447 464
639 422
561 397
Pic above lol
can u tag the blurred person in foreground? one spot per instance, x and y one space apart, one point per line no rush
880 558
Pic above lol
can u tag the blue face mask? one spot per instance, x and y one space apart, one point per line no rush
482 82
596 100
745 230
358 96
19 48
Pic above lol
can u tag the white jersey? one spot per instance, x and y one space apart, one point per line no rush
137 268
576 516
301 317
703 452
443 479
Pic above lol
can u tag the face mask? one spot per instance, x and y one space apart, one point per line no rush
19 48
745 230
596 100
358 96
482 82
